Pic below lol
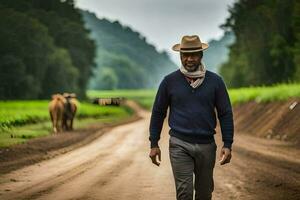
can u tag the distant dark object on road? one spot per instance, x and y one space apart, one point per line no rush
116 101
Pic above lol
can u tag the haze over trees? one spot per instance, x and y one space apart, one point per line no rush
124 58
218 51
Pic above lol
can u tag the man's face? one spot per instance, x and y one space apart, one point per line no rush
191 61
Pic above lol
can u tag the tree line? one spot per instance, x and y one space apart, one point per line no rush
45 49
267 43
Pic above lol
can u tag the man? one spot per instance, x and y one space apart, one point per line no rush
192 93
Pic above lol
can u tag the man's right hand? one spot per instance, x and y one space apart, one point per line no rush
154 152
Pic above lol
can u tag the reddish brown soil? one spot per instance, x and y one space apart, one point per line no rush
270 120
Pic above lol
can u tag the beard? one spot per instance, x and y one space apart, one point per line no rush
191 67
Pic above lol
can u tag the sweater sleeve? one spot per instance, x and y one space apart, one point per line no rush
159 111
225 115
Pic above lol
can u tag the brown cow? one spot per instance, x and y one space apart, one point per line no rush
70 109
56 110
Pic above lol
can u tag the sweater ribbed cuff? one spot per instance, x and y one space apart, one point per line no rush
228 145
154 144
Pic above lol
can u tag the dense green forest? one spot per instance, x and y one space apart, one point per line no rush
124 58
45 49
267 43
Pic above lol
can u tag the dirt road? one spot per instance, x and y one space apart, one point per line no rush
116 166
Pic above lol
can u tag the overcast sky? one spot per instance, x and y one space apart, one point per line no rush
164 22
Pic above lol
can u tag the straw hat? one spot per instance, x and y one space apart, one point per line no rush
190 44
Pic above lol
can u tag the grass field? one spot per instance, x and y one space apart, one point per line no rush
18 113
144 97
23 120
278 92
259 94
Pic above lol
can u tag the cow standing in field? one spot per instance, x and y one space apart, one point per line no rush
116 101
56 110
70 108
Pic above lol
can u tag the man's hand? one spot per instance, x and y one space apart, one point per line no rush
225 156
153 153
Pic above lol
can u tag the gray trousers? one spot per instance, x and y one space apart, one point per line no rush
189 159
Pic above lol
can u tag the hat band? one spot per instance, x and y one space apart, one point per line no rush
193 48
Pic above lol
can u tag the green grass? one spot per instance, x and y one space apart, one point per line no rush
19 113
259 94
28 119
23 120
279 92
122 93
143 97
16 135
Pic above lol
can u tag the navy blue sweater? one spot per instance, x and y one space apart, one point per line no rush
192 115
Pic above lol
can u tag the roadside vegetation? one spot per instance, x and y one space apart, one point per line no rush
23 120
145 98
278 92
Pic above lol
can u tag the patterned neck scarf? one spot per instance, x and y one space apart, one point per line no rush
199 74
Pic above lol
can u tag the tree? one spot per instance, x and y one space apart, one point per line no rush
61 76
25 45
106 79
262 53
14 82
47 37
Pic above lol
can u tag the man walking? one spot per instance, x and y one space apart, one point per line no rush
192 93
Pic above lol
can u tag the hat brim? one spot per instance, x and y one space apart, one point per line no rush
176 47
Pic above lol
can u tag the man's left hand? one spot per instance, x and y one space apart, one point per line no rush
225 156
